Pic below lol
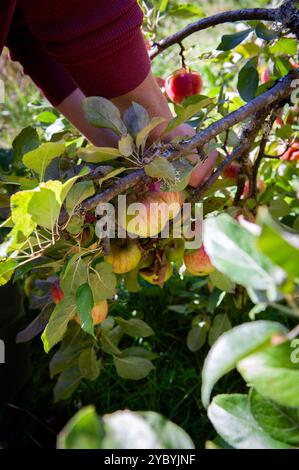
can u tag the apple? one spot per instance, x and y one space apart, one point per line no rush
183 83
174 250
124 256
156 211
232 171
265 75
99 313
56 292
198 262
292 154
157 278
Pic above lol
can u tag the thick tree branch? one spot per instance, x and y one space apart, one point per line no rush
281 90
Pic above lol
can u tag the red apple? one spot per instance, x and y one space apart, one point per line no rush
292 154
56 292
156 211
98 313
198 262
232 171
183 83
124 256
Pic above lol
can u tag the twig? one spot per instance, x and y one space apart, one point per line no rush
246 140
261 153
271 14
287 14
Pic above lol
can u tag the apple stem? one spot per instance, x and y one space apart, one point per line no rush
182 52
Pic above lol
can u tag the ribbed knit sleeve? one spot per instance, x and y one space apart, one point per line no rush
54 81
98 42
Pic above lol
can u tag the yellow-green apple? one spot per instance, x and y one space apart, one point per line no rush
174 250
154 211
198 262
124 256
99 313
157 277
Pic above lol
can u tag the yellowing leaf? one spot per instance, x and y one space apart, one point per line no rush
144 133
38 159
126 145
92 154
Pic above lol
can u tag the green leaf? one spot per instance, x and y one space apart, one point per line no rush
25 142
273 374
138 351
103 282
264 33
233 421
85 303
123 429
160 167
280 246
55 329
135 327
21 218
233 252
83 431
183 171
45 204
71 346
197 336
248 81
112 174
46 201
281 422
88 364
36 326
110 340
286 46
39 158
67 383
79 192
186 11
126 145
233 346
134 368
75 274
185 113
7 268
222 282
221 324
229 41
144 133
136 118
102 113
92 154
